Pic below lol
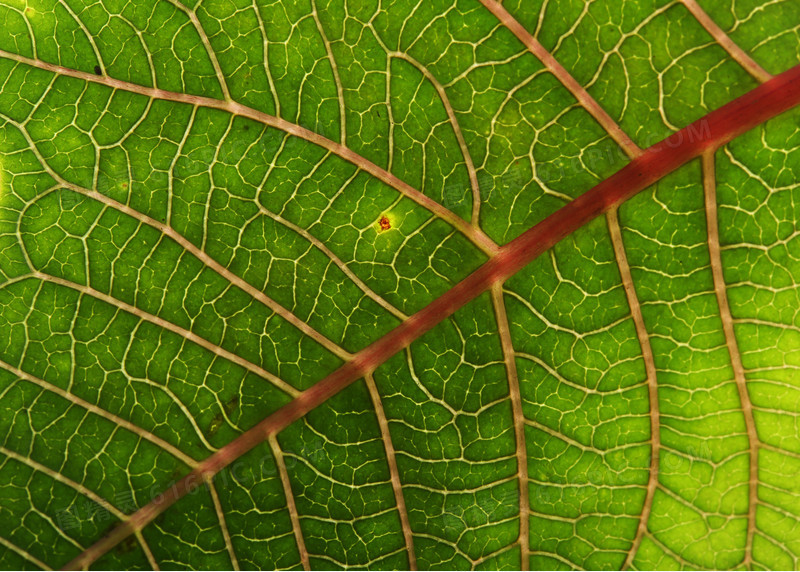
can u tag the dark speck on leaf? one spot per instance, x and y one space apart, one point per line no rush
231 405
126 545
97 70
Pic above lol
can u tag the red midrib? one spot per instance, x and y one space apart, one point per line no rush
717 128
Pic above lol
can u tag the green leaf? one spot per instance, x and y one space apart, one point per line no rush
399 285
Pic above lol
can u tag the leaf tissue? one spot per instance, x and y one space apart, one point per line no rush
399 284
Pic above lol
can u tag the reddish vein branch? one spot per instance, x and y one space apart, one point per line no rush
294 516
717 128
24 554
652 383
462 143
83 490
737 53
190 247
334 69
216 349
394 473
720 289
226 535
575 88
107 415
477 236
519 424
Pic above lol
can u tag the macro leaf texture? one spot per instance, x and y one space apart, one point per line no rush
399 284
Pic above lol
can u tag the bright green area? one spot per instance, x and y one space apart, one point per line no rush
758 174
585 403
698 510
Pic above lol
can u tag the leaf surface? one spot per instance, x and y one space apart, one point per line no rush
395 285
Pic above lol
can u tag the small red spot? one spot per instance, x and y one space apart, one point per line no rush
385 224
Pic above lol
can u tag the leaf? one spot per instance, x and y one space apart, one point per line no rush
326 284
